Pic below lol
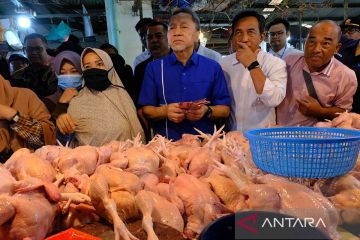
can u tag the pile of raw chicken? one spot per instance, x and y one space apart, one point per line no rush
185 185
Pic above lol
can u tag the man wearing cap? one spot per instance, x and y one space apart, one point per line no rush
349 53
17 62
38 76
351 28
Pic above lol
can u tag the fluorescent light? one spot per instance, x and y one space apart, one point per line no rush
306 25
266 15
268 9
275 2
24 22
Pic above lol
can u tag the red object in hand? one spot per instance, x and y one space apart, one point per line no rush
72 234
193 105
185 105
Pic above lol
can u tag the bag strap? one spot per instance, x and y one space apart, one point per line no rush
310 85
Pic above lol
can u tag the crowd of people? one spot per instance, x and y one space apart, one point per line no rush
91 96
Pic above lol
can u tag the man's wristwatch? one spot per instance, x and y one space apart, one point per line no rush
15 118
253 65
209 112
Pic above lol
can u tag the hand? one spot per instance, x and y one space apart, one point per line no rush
66 123
67 95
245 55
175 113
309 106
196 114
7 113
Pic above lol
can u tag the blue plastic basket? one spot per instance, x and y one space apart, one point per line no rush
304 152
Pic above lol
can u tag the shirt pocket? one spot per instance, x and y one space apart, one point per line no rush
201 89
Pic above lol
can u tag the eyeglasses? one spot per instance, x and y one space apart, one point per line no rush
34 49
275 34
350 30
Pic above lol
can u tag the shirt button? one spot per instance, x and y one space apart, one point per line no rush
184 88
184 74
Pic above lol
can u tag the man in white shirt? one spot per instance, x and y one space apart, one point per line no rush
141 28
207 52
279 31
256 79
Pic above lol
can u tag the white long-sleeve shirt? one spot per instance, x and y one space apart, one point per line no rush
250 110
286 50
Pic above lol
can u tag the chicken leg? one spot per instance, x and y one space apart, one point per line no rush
145 204
99 194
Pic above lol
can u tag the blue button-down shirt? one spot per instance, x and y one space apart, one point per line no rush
200 78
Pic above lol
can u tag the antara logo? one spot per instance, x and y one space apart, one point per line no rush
291 222
249 223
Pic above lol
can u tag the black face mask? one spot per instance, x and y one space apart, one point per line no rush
97 79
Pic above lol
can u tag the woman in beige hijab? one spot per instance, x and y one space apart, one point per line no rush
24 120
103 111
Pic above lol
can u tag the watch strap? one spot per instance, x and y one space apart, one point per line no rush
209 112
253 65
15 118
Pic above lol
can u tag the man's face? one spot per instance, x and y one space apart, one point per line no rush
321 44
17 64
247 31
142 33
351 32
182 32
277 36
36 51
156 40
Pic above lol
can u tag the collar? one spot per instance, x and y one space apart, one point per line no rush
326 71
194 59
279 53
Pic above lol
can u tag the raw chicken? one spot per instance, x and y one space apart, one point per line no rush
24 164
201 204
227 191
155 208
25 216
7 181
83 160
112 193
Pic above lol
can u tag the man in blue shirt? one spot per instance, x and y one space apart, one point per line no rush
183 76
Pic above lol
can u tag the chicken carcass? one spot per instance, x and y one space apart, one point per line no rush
295 199
27 214
112 192
201 204
298 200
80 161
24 164
230 195
155 208
7 181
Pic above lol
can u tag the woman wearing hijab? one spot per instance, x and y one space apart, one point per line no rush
103 110
24 120
67 68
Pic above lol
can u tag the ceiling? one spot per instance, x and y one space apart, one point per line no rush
212 13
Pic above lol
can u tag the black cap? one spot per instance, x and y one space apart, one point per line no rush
351 22
17 56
